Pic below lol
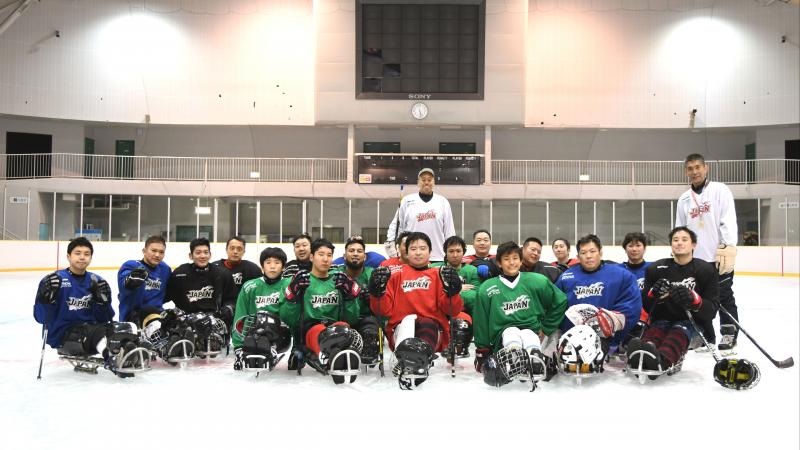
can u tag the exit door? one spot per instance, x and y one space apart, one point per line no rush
124 163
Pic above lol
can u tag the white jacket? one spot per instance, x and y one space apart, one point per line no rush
433 218
711 215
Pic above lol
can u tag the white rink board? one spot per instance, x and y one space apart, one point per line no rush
208 405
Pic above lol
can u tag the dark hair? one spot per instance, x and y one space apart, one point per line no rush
588 239
321 242
79 242
694 157
481 231
196 242
532 239
453 240
566 242
272 252
417 236
301 236
692 234
506 248
235 238
155 239
634 237
399 239
354 240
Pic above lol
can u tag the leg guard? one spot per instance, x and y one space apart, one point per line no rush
368 329
170 336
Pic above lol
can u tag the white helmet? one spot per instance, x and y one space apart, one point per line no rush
579 350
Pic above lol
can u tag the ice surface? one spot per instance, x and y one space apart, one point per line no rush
208 405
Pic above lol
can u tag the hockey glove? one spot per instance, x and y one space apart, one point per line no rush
391 249
451 282
480 358
660 289
238 362
297 287
607 322
346 285
136 278
225 314
48 288
685 298
378 281
101 291
725 258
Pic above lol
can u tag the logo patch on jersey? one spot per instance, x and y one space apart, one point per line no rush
318 301
493 290
265 300
237 278
422 282
568 276
593 290
517 304
427 215
699 210
76 303
640 281
152 284
688 282
200 294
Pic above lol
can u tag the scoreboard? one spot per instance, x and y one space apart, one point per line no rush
403 168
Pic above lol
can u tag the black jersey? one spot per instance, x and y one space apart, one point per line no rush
551 272
195 289
239 273
294 266
697 275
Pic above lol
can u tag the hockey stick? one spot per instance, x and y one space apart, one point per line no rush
380 340
786 363
710 347
302 334
41 358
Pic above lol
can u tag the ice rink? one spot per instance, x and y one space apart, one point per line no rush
208 405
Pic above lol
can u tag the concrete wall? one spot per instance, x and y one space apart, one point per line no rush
771 141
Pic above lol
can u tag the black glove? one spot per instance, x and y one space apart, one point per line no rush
225 314
683 297
238 362
451 282
297 287
378 281
661 289
136 278
480 357
346 285
48 288
101 291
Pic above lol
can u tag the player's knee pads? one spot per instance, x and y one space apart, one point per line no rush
270 326
75 341
209 332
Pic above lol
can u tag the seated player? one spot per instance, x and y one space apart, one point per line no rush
199 289
302 256
603 296
673 287
635 244
561 251
74 305
511 313
259 337
236 267
418 301
531 252
319 308
142 284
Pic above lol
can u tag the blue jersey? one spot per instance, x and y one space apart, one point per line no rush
373 260
611 287
73 304
638 271
150 295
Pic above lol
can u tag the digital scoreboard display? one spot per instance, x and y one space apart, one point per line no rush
403 169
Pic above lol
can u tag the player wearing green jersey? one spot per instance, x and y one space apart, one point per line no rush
513 312
461 326
319 308
259 337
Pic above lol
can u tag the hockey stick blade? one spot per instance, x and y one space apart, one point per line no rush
786 363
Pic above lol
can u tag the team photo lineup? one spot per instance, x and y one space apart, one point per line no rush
426 299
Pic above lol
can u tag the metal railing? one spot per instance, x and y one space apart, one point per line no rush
775 171
174 168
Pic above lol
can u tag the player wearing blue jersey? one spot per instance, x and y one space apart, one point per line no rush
635 244
74 305
143 283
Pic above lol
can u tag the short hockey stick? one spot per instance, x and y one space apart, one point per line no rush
41 358
786 363
710 347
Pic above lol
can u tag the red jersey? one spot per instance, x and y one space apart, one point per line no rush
394 264
420 292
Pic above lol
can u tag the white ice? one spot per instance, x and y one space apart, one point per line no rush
208 405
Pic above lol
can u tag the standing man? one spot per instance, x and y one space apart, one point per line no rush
531 253
238 269
302 256
425 212
142 284
708 210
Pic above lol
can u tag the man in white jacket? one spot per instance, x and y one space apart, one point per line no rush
426 212
707 208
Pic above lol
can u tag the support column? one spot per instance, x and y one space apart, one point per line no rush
487 154
351 152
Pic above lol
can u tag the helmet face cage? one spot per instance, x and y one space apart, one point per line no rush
580 346
513 362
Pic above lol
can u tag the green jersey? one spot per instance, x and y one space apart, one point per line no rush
322 302
258 295
362 280
530 302
469 275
